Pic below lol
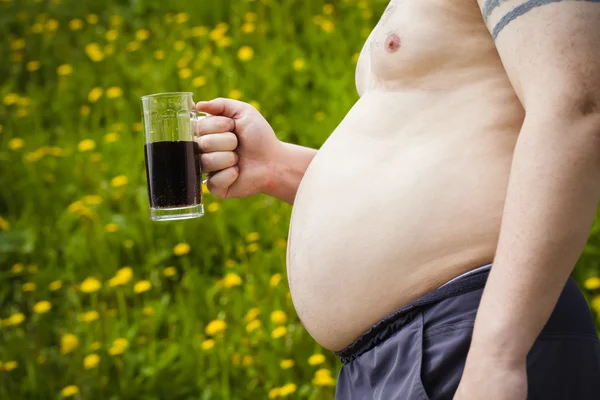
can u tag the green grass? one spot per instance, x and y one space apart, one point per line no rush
58 196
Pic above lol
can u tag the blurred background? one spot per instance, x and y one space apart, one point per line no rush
97 302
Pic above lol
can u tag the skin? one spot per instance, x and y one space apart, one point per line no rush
476 139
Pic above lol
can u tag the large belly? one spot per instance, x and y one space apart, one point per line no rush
395 203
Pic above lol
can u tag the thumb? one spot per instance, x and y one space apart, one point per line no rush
225 107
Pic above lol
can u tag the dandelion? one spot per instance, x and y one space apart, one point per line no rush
159 54
118 347
86 145
16 143
224 42
136 126
231 280
32 66
64 70
250 16
230 263
215 327
179 45
90 285
133 46
69 391
92 200
253 247
42 307
247 360
248 27
51 25
122 277
213 207
299 64
15 319
109 49
95 94
37 28
119 181
4 225
142 35
95 346
29 287
279 332
287 364
85 110
89 316
207 344
355 58
316 359
181 249
278 317
113 92
17 268
142 286
274 393
199 31
182 18
235 94
94 52
91 19
252 314
10 99
68 343
592 283
253 325
323 378
91 361
75 24
10 366
245 53
55 285
216 34
185 73
170 271
274 280
328 9
148 311
327 26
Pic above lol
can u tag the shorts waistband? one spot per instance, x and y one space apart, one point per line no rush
394 322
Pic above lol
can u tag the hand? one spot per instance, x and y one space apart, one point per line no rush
238 148
486 378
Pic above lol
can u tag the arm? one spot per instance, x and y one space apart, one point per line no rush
292 162
550 52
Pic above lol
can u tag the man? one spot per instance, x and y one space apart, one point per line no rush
476 140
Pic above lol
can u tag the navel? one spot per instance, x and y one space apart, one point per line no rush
392 43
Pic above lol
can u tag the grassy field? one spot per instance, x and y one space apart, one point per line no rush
97 302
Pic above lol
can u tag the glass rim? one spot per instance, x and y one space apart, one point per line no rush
165 94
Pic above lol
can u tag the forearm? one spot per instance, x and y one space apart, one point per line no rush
550 205
288 169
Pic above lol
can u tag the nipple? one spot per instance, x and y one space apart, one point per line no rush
392 43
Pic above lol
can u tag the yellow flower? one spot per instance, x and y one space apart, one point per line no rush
278 317
231 279
85 110
328 9
235 358
279 332
181 249
252 236
182 18
91 361
55 285
230 263
111 35
118 347
32 66
29 287
213 207
15 319
16 143
133 46
90 285
68 343
95 94
205 189
64 70
69 391
247 360
10 365
248 27
253 247
95 346
323 378
92 199
274 393
111 137
216 34
592 283
250 16
75 24
185 73
91 19
136 126
51 25
199 31
89 316
287 364
253 325
281 242
148 311
86 145
207 344
215 327
316 359
142 35
327 26
122 277
245 53
252 314
287 389
179 45
11 98
4 225
275 279
159 54
17 268
42 307
170 271
299 64
94 52
113 92
142 286
119 181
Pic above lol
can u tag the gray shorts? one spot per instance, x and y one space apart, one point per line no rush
419 351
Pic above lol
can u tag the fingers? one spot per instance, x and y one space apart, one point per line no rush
217 142
219 183
225 107
211 162
214 124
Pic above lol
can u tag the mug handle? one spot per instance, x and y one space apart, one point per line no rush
197 117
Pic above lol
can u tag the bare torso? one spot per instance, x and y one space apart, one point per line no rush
408 191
